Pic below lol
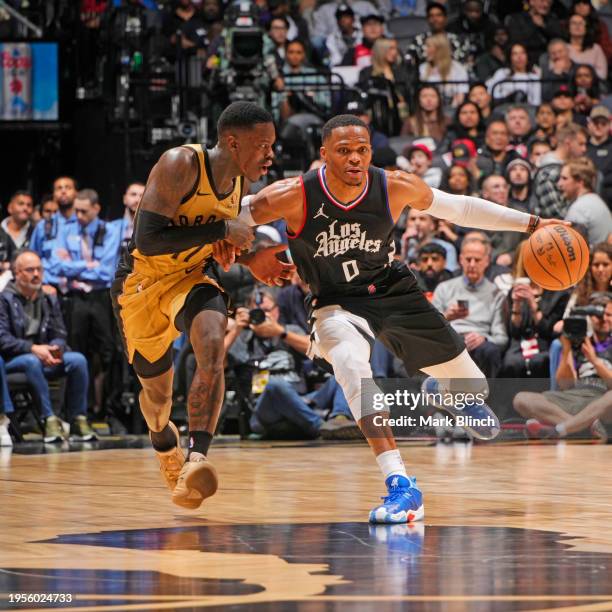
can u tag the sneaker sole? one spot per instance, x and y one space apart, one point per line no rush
203 481
52 439
400 517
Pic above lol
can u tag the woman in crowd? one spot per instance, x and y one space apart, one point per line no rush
440 66
530 313
502 84
595 24
468 123
584 49
479 94
585 89
546 122
388 74
429 120
458 181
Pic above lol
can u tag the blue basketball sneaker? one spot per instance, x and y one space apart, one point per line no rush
404 503
477 419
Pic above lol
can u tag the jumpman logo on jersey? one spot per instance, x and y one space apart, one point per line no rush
321 213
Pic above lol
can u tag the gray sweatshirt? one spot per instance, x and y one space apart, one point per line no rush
485 307
592 212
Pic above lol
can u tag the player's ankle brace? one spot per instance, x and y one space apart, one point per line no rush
199 442
163 440
391 464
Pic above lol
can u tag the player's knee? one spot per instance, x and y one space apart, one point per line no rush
349 369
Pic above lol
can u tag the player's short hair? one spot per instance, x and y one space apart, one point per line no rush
341 121
89 194
242 115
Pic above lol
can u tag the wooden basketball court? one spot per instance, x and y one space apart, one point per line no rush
507 527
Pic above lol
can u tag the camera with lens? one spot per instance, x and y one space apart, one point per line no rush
575 326
256 316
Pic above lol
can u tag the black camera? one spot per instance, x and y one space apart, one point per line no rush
575 326
256 316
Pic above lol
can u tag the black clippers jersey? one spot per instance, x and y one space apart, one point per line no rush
343 249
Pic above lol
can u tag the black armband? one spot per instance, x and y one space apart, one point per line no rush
154 234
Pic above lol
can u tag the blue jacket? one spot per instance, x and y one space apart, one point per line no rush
44 241
12 324
104 239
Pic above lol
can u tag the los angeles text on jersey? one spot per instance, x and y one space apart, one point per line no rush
339 239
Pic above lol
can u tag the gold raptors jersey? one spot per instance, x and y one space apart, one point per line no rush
204 205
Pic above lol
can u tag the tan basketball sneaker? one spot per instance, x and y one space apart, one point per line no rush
197 481
171 462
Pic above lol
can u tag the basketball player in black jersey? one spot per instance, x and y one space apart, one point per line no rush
340 220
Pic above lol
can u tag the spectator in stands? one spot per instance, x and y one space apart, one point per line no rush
212 16
459 180
296 71
530 313
496 56
6 408
577 183
538 147
86 256
420 158
479 94
468 123
378 140
341 42
420 230
473 305
496 189
585 89
599 148
388 74
584 378
474 25
298 28
429 120
547 199
557 66
535 28
437 19
440 67
290 300
185 29
595 25
373 28
33 341
496 154
131 200
563 105
275 43
546 122
324 16
48 207
16 229
45 235
528 89
584 49
518 175
519 128
430 268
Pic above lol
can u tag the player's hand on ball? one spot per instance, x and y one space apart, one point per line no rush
268 269
544 222
239 234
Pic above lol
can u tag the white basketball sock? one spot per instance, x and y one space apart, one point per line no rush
391 464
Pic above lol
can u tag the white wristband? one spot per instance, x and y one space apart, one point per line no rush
476 212
245 211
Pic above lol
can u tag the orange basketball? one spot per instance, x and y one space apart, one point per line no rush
556 257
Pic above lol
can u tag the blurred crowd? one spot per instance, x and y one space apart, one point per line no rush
491 99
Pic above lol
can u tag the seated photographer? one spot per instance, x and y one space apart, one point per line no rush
530 314
584 378
275 354
33 341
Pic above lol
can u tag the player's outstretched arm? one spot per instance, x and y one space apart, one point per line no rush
172 179
467 211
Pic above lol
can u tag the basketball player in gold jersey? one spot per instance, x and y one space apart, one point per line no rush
192 200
